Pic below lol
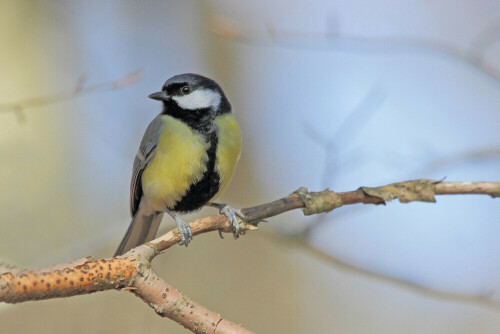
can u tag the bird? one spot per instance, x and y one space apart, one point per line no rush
185 160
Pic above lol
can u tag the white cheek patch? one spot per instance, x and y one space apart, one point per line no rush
199 99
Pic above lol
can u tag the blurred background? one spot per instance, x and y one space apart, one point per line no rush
336 94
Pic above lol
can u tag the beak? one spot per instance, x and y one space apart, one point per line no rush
160 96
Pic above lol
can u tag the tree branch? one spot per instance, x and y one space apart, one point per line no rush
331 40
129 274
482 299
132 271
172 304
79 90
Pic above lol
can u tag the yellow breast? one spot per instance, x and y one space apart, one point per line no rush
180 161
228 149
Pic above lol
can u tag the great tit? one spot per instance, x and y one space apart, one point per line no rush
186 158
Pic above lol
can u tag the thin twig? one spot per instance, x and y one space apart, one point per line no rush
471 156
483 299
80 89
333 145
336 40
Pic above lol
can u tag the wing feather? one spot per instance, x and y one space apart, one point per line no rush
145 154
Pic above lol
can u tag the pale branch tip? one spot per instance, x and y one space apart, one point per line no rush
417 190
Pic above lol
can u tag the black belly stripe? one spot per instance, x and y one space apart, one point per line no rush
202 191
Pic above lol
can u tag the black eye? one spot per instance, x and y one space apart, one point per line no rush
186 90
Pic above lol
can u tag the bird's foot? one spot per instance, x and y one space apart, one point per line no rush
232 214
184 230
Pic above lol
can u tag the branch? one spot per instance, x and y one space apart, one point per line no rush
473 57
169 302
132 271
79 90
128 274
475 155
422 190
483 299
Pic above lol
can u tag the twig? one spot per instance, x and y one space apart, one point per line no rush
232 30
80 89
483 299
475 155
332 145
132 271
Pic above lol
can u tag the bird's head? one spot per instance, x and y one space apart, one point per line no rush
193 98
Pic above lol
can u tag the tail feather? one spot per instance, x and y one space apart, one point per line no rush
142 229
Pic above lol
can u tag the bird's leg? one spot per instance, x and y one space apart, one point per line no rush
183 227
231 214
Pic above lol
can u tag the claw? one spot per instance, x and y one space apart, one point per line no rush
231 214
184 230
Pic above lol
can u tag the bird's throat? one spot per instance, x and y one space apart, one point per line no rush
197 119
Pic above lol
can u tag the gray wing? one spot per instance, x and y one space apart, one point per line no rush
144 155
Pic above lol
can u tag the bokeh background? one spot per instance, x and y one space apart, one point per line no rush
334 94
